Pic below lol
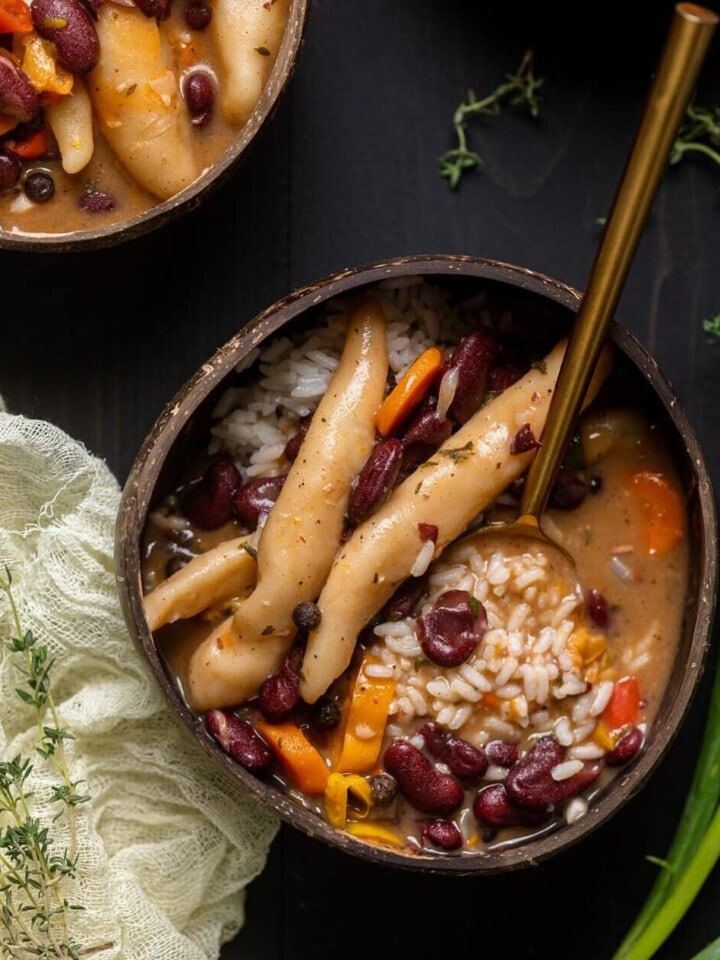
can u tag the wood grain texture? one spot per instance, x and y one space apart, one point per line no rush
347 174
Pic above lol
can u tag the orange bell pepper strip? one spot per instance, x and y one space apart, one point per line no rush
300 761
15 17
662 508
408 391
32 146
623 710
366 719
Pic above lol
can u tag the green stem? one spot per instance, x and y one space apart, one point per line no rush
698 148
682 895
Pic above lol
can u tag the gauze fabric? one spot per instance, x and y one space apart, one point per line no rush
168 844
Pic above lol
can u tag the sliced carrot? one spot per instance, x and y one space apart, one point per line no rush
15 17
408 391
32 146
366 719
300 761
491 700
624 707
662 508
6 124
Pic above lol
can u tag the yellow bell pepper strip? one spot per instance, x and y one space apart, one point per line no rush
376 833
299 760
338 789
42 69
408 391
366 719
662 508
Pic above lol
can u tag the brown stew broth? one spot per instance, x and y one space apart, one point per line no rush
606 534
105 172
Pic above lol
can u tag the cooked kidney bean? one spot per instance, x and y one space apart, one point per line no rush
503 753
10 170
472 358
256 497
494 807
198 16
568 491
292 447
452 628
502 376
383 787
524 440
67 24
443 834
428 429
530 783
598 608
403 602
325 714
19 100
376 479
154 8
97 201
199 92
427 790
625 748
209 503
463 759
239 740
281 692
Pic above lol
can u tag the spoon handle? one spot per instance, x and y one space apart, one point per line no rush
689 36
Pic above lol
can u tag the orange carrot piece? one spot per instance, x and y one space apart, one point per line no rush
300 761
34 145
366 720
623 709
6 124
662 508
15 17
408 391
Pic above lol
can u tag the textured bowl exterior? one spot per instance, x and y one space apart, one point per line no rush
184 414
189 199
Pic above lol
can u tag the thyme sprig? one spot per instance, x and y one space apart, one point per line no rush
698 133
33 906
711 327
519 90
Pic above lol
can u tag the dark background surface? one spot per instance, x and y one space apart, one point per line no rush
346 174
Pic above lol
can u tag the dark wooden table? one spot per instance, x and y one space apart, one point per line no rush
345 174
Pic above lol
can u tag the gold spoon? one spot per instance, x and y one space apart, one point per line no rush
689 36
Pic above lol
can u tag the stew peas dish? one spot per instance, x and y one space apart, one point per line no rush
108 107
317 593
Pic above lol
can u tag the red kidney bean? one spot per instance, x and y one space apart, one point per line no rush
427 429
502 376
443 834
239 740
493 806
568 491
256 497
403 602
209 503
503 753
292 447
19 100
524 440
428 531
598 608
376 479
472 357
530 784
199 92
154 8
427 790
10 170
625 748
452 628
279 693
68 25
198 16
97 201
462 758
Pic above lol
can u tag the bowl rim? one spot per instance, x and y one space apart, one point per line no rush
144 473
188 199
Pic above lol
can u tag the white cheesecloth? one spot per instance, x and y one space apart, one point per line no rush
168 844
